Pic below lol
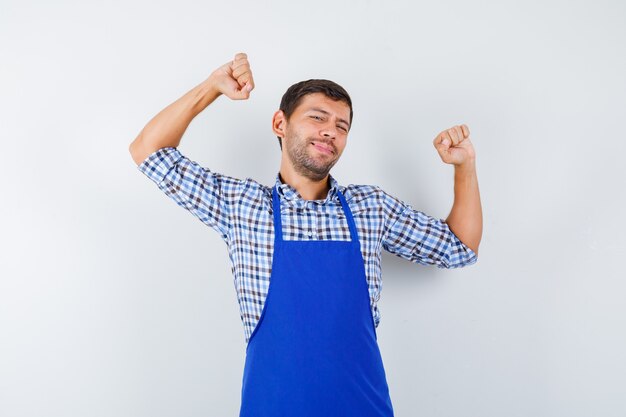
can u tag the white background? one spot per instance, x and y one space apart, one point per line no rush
114 301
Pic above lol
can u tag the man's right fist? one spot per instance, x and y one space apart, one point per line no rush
234 79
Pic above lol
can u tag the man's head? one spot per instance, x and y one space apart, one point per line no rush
313 122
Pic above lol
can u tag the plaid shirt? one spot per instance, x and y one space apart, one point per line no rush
241 212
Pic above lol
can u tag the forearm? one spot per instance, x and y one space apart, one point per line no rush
466 219
168 126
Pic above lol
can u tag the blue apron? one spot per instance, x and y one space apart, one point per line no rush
314 351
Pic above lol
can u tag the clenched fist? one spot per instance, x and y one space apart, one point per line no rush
454 145
234 78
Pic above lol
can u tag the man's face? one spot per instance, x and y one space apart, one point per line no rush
315 135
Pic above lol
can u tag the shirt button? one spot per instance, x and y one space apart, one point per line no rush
310 233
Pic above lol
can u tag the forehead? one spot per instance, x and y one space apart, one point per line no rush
321 101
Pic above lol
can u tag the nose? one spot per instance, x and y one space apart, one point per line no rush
329 131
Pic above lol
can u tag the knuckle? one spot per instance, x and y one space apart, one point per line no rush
240 64
244 69
239 72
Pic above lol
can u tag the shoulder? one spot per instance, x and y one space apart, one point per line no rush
373 196
363 195
356 193
253 193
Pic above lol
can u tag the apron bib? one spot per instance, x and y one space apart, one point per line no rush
314 351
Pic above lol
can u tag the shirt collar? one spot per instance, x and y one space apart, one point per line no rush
292 196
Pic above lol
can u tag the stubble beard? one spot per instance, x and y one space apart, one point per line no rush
314 168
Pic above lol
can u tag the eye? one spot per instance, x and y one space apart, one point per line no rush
316 117
343 128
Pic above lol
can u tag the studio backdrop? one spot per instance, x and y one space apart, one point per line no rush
115 301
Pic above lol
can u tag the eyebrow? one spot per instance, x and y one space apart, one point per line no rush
325 112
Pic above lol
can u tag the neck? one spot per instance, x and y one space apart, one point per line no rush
307 188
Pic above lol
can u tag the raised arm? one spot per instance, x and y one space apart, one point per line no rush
465 219
233 79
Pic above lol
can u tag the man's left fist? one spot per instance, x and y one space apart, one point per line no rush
454 145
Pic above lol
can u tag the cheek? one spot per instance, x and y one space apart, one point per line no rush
303 133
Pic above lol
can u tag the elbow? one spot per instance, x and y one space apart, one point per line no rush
137 151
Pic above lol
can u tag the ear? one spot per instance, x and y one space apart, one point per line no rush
278 124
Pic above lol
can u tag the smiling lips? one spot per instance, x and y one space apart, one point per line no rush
322 148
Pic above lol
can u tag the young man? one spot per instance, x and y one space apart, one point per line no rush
306 252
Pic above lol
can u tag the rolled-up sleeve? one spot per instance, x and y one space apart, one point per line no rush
204 193
422 239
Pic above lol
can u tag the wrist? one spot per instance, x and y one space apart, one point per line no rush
469 163
205 93
468 167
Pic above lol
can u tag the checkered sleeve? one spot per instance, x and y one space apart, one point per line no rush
420 238
206 194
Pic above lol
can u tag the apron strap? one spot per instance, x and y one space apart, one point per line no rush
354 236
278 226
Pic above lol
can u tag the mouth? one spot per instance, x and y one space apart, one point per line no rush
323 148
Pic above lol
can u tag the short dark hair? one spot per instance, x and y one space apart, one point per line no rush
294 94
